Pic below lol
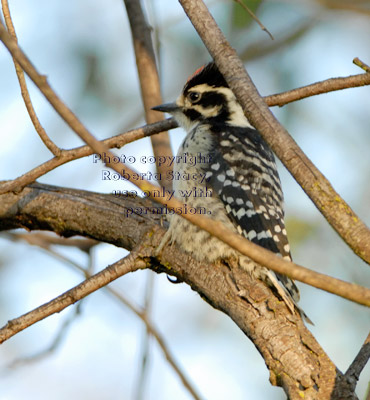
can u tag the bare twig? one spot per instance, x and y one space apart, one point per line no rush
128 264
314 89
262 256
45 240
145 344
254 16
361 64
24 91
41 240
336 211
84 151
346 384
358 364
159 338
53 345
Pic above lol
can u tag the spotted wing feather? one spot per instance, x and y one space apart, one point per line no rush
244 176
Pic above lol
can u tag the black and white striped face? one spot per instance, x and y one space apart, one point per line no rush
206 98
205 103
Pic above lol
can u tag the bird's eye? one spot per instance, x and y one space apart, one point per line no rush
194 97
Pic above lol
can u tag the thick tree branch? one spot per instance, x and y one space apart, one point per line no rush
290 351
337 212
13 215
53 208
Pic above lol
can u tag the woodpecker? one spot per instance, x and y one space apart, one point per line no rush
241 174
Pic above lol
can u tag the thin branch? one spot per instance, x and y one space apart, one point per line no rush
254 16
160 340
336 211
128 264
314 89
262 256
358 364
346 384
24 91
39 240
361 64
145 344
84 151
56 342
45 240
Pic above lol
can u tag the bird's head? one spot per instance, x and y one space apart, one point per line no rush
206 98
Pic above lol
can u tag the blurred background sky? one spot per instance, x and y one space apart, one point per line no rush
85 49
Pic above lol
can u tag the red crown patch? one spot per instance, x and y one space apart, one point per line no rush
200 69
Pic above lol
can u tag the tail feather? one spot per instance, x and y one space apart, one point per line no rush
286 296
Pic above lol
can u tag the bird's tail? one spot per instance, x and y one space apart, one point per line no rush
289 298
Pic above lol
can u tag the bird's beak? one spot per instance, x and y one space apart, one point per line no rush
168 108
